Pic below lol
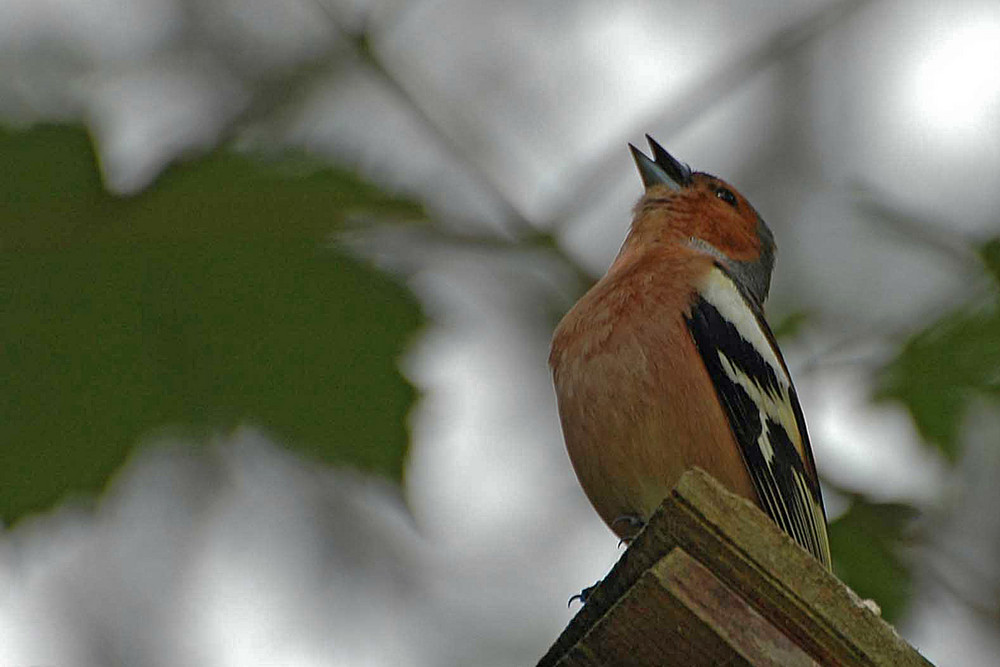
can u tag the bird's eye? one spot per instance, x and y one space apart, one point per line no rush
726 195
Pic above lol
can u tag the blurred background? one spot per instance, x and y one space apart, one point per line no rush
279 276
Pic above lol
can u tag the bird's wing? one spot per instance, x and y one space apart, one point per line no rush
756 392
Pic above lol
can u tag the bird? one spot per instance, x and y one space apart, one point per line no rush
667 362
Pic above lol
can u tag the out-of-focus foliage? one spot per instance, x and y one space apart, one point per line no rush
865 542
941 368
990 252
936 374
791 325
214 298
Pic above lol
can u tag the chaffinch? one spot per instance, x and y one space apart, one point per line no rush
667 363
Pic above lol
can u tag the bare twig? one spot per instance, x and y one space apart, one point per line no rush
594 185
982 602
362 46
705 93
484 242
917 228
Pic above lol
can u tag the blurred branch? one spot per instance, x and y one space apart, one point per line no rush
280 93
361 41
705 93
916 228
480 242
848 349
525 234
974 601
836 355
956 248
785 42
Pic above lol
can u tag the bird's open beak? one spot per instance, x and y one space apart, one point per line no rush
664 169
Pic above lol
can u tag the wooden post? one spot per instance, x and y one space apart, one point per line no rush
711 580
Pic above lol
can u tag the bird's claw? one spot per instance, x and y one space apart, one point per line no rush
583 595
634 521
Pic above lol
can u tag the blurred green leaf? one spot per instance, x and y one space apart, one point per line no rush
865 542
791 325
212 299
990 253
940 369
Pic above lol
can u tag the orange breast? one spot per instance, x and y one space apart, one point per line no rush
636 404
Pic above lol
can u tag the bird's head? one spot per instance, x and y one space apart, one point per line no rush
706 214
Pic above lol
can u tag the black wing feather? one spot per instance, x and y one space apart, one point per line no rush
762 406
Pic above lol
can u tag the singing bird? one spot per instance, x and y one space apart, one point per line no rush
667 363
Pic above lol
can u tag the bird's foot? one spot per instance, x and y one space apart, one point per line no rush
583 595
633 526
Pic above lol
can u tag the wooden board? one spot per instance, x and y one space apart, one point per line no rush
712 580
